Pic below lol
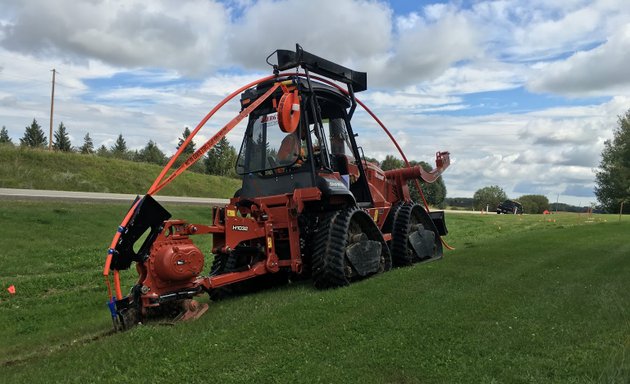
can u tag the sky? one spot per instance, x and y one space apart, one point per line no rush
523 94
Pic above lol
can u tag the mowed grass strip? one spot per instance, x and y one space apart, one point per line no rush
522 299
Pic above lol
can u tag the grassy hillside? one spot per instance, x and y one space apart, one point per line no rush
521 300
38 169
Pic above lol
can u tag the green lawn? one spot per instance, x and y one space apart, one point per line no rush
521 300
39 169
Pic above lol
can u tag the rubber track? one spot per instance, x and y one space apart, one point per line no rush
329 248
330 242
401 255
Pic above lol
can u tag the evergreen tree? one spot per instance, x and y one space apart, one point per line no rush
4 136
613 177
34 137
151 154
61 139
190 148
119 149
103 151
221 159
88 146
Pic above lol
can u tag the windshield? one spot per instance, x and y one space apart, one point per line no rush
266 147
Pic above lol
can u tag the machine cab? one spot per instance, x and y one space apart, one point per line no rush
319 152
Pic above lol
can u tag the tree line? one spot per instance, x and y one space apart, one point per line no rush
219 160
612 178
490 197
612 181
468 203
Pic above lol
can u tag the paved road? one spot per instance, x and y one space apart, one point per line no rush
35 194
455 211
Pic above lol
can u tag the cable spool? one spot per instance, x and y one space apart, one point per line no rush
289 112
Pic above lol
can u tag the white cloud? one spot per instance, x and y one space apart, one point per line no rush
542 29
409 99
550 151
549 36
224 84
425 48
600 71
345 31
566 130
187 36
479 76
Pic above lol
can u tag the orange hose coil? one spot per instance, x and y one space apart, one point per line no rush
289 112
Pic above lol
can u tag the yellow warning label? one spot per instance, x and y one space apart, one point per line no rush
269 242
231 213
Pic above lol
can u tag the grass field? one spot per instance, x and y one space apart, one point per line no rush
39 169
521 300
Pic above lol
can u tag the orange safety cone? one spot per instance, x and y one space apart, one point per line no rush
11 289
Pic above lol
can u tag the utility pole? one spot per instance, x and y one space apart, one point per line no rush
52 105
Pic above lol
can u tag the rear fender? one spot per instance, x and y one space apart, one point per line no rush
439 220
334 189
426 219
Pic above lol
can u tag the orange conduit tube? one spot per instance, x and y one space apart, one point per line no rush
158 184
203 122
110 253
215 139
